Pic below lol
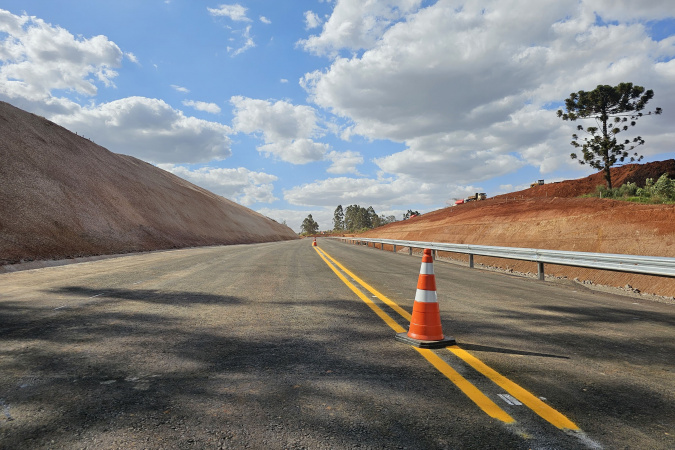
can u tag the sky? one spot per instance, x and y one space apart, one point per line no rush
294 107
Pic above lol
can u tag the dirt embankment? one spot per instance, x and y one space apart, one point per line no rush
62 196
530 219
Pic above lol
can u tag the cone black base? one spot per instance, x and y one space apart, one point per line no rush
446 341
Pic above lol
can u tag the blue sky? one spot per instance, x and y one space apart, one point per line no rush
294 107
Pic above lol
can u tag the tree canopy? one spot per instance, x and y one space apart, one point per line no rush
338 219
309 226
615 109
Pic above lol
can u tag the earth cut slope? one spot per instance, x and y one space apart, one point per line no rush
551 216
63 196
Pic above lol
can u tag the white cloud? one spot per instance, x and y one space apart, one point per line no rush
629 11
295 151
149 129
381 193
132 58
467 91
248 43
312 20
287 129
344 162
283 80
203 106
265 20
278 121
180 89
355 24
235 12
240 185
37 57
294 218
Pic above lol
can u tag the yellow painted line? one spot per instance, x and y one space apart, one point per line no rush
525 397
528 399
402 312
465 385
471 391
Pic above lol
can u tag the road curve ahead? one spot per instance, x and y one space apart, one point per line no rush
281 345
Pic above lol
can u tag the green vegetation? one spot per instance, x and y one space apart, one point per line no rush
356 218
610 107
661 191
309 226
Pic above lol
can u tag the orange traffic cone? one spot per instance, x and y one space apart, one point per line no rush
314 244
425 326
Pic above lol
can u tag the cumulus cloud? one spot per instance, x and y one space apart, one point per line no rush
287 129
240 185
312 20
355 24
295 151
203 106
294 218
344 162
234 11
265 20
469 93
38 58
149 129
381 193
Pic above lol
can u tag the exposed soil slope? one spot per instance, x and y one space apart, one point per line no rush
63 196
630 173
530 219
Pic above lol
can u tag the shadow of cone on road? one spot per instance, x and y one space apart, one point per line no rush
425 326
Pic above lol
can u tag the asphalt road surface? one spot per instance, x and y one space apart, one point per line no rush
286 345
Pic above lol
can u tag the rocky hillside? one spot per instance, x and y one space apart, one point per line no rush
63 196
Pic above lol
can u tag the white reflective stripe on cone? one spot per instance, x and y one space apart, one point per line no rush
427 269
426 296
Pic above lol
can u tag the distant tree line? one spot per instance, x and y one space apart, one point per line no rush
357 218
354 218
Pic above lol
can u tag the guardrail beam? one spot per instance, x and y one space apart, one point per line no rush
647 265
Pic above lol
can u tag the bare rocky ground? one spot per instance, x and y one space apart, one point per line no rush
62 196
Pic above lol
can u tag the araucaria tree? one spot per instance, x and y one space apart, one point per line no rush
615 109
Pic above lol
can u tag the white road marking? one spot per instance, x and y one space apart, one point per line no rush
510 399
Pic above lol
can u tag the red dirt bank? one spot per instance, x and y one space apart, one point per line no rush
541 219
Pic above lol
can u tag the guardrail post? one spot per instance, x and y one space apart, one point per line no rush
410 251
470 261
540 270
433 254
394 248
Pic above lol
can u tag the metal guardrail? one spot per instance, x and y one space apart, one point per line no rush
647 265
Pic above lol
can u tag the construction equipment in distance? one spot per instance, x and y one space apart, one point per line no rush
537 183
476 197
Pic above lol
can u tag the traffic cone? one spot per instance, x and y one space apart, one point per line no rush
314 244
425 326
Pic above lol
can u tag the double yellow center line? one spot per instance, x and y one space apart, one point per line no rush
481 400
